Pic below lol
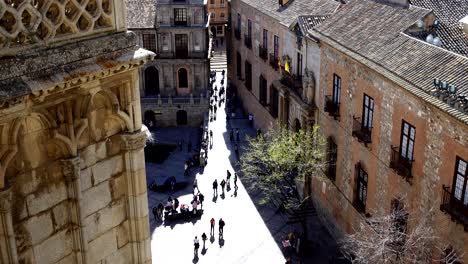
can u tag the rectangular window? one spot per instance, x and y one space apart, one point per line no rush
299 64
367 112
213 16
265 39
460 189
408 133
239 65
274 102
276 46
222 3
248 75
180 16
149 42
212 2
336 89
249 28
222 15
332 157
361 191
181 45
263 90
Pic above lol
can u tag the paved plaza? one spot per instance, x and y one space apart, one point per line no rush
252 233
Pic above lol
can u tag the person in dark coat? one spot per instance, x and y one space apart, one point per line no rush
221 226
201 198
215 187
223 183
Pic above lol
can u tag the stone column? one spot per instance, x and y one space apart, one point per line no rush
8 253
71 172
137 199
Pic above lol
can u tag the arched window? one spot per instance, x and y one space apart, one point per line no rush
151 81
183 78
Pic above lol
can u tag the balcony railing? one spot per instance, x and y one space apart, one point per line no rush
401 165
274 61
363 134
263 52
248 41
332 107
237 33
453 206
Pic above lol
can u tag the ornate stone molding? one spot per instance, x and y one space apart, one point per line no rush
133 141
6 198
71 169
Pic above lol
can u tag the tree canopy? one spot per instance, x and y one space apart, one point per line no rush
275 162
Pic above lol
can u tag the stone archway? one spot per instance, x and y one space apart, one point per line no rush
297 125
151 81
181 117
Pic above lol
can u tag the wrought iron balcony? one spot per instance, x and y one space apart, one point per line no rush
401 165
248 41
455 207
263 52
274 61
332 107
237 33
363 134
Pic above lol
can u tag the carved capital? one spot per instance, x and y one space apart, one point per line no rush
6 198
71 169
133 141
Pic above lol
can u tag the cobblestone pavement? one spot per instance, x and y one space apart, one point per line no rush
252 234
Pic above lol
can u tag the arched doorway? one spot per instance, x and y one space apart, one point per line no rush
297 125
150 119
181 117
151 81
182 77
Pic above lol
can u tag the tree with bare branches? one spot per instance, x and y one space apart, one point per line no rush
387 239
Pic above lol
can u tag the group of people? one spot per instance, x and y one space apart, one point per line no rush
214 94
224 183
196 242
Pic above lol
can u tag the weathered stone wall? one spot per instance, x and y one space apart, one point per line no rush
74 174
439 139
166 114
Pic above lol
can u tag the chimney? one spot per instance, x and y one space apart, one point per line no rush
397 3
464 25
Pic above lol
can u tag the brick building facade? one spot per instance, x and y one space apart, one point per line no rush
219 17
396 126
274 65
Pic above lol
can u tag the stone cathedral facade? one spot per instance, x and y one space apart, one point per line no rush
72 171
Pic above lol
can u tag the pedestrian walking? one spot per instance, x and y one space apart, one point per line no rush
215 108
180 145
194 206
186 169
237 134
215 187
259 132
211 135
228 176
221 226
231 135
195 185
223 183
212 226
201 198
196 245
155 213
250 120
235 180
236 150
203 237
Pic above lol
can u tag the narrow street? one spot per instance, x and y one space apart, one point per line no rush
253 232
246 237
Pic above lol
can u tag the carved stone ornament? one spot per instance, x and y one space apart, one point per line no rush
5 200
133 141
71 168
